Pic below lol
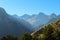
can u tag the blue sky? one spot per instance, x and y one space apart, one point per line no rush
20 7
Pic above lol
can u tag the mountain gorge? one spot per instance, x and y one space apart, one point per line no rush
48 32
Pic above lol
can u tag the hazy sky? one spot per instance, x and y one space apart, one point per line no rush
21 7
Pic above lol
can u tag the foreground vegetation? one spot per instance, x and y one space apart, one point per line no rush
49 32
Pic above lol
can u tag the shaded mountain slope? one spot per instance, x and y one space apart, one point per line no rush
10 25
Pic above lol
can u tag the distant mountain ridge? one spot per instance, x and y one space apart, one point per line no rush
40 19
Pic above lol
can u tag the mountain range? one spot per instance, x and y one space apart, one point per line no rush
15 25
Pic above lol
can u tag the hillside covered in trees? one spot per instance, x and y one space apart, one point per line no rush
48 32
